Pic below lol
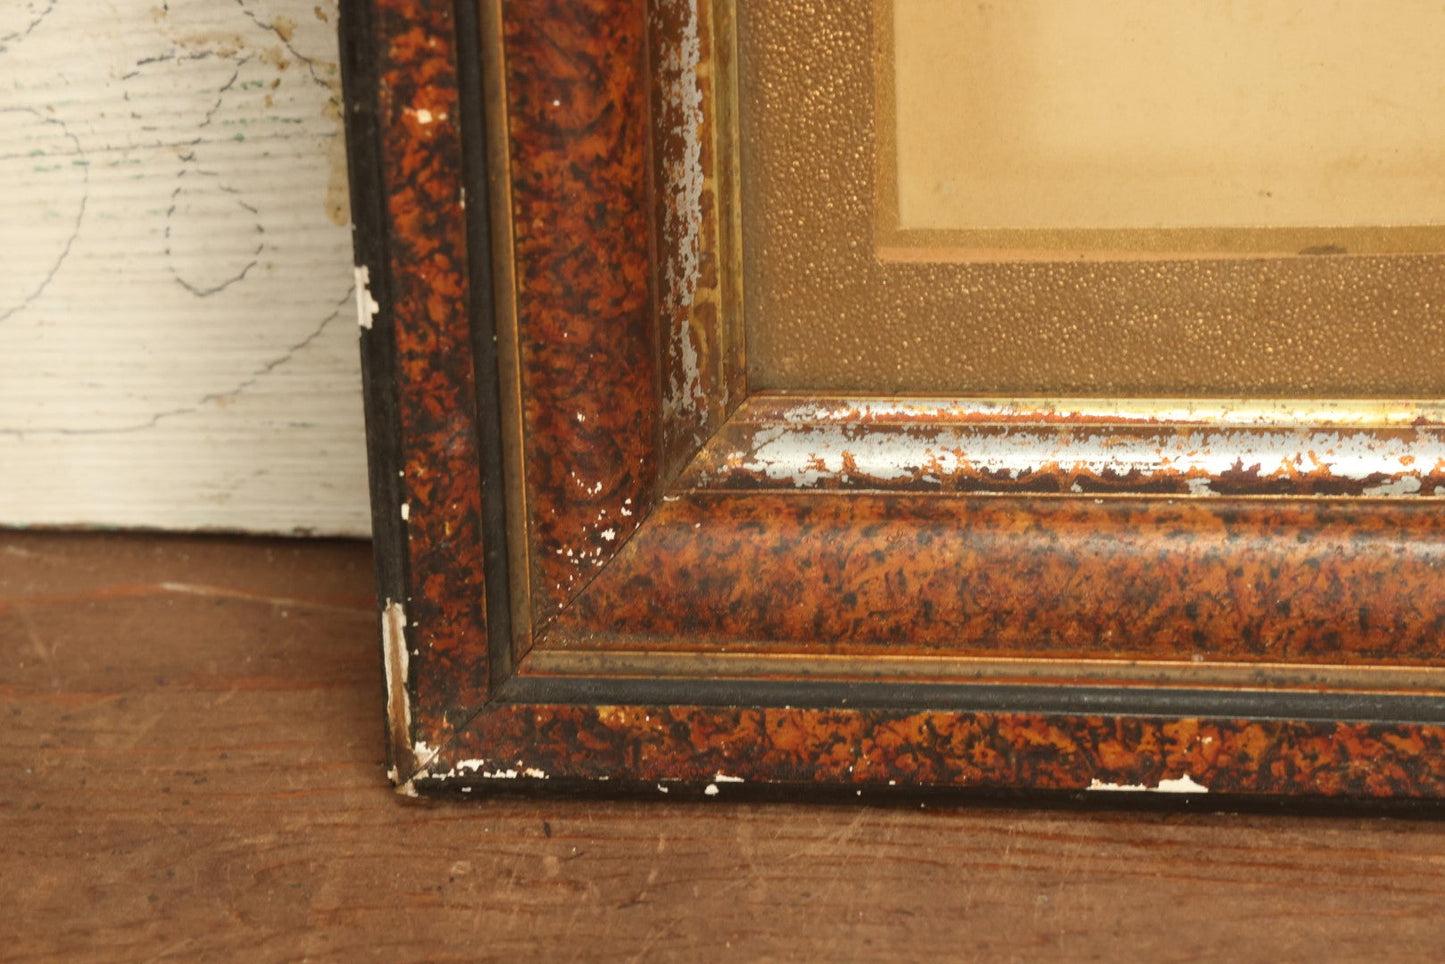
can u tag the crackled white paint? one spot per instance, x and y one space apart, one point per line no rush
1184 784
176 303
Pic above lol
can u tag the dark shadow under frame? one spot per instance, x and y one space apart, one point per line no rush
462 716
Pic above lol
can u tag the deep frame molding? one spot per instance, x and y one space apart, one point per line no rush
556 452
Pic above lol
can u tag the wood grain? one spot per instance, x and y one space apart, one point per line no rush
195 759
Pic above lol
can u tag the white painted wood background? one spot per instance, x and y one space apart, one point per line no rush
177 331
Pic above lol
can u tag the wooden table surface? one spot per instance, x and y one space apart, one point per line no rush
193 764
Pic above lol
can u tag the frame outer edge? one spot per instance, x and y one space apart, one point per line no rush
422 403
359 56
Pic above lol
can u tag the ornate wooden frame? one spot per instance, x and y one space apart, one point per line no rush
600 559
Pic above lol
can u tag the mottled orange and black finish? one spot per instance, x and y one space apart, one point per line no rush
578 119
791 573
1303 581
446 624
642 747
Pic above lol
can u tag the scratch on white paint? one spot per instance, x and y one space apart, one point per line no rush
366 306
1184 784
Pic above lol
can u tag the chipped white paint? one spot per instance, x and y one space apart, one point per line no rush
1279 413
710 790
685 182
685 176
721 777
366 306
483 770
424 116
405 511
175 340
1097 784
1408 485
1184 784
805 456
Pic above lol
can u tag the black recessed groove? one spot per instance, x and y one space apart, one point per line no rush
482 315
980 698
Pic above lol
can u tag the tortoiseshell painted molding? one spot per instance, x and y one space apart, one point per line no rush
602 563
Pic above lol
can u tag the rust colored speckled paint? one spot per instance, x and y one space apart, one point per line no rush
421 157
579 125
1289 581
880 748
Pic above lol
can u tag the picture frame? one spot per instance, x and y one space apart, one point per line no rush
604 563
